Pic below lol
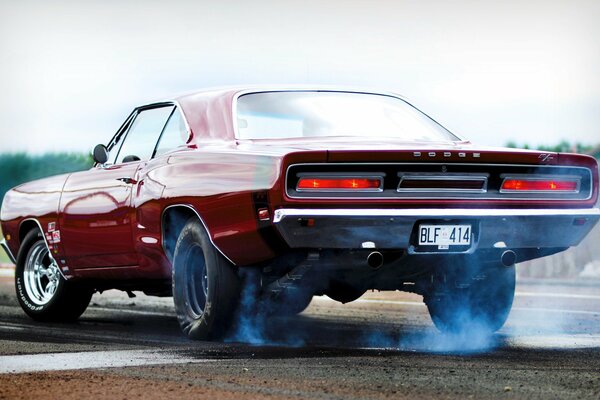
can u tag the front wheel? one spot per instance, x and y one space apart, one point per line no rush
206 287
42 291
482 306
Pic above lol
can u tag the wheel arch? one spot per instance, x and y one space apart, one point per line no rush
173 219
27 226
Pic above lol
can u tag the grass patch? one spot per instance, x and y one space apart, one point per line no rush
3 256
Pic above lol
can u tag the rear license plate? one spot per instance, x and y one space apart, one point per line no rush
444 236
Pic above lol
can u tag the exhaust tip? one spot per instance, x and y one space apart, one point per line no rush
508 258
375 260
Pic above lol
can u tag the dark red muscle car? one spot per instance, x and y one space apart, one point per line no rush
294 192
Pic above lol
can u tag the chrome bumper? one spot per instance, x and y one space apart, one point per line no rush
7 250
394 228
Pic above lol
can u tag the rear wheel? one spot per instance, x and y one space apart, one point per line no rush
483 305
205 285
343 292
42 291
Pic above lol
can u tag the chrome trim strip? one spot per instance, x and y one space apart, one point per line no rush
203 224
589 172
435 177
282 213
4 245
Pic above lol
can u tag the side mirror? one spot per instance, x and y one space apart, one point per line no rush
100 154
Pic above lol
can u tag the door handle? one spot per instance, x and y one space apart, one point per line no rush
129 181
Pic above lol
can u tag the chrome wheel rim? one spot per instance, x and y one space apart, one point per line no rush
196 282
41 276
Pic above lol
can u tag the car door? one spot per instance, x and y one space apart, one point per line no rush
95 210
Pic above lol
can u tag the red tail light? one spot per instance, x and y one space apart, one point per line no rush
339 184
540 185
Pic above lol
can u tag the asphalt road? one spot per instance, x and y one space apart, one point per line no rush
382 346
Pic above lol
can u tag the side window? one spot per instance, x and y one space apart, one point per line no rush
174 135
117 141
143 134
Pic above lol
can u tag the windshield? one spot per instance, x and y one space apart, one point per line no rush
298 114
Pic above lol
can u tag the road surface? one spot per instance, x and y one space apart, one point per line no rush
381 346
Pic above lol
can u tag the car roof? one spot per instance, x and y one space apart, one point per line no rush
234 89
209 112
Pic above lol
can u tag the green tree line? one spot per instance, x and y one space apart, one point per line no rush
563 146
18 168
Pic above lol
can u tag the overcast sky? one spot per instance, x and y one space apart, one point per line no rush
492 71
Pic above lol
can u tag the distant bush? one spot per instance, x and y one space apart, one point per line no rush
18 168
562 147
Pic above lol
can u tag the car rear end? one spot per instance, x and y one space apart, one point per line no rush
374 194
499 204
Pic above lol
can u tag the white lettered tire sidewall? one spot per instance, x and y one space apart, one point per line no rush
31 241
68 301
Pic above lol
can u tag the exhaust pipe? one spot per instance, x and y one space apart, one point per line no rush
508 258
375 260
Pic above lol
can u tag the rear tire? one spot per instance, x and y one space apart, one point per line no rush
206 288
342 292
42 291
483 306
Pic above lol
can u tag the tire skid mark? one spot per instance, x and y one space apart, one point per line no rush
80 336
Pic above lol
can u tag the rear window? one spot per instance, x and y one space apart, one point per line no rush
298 114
